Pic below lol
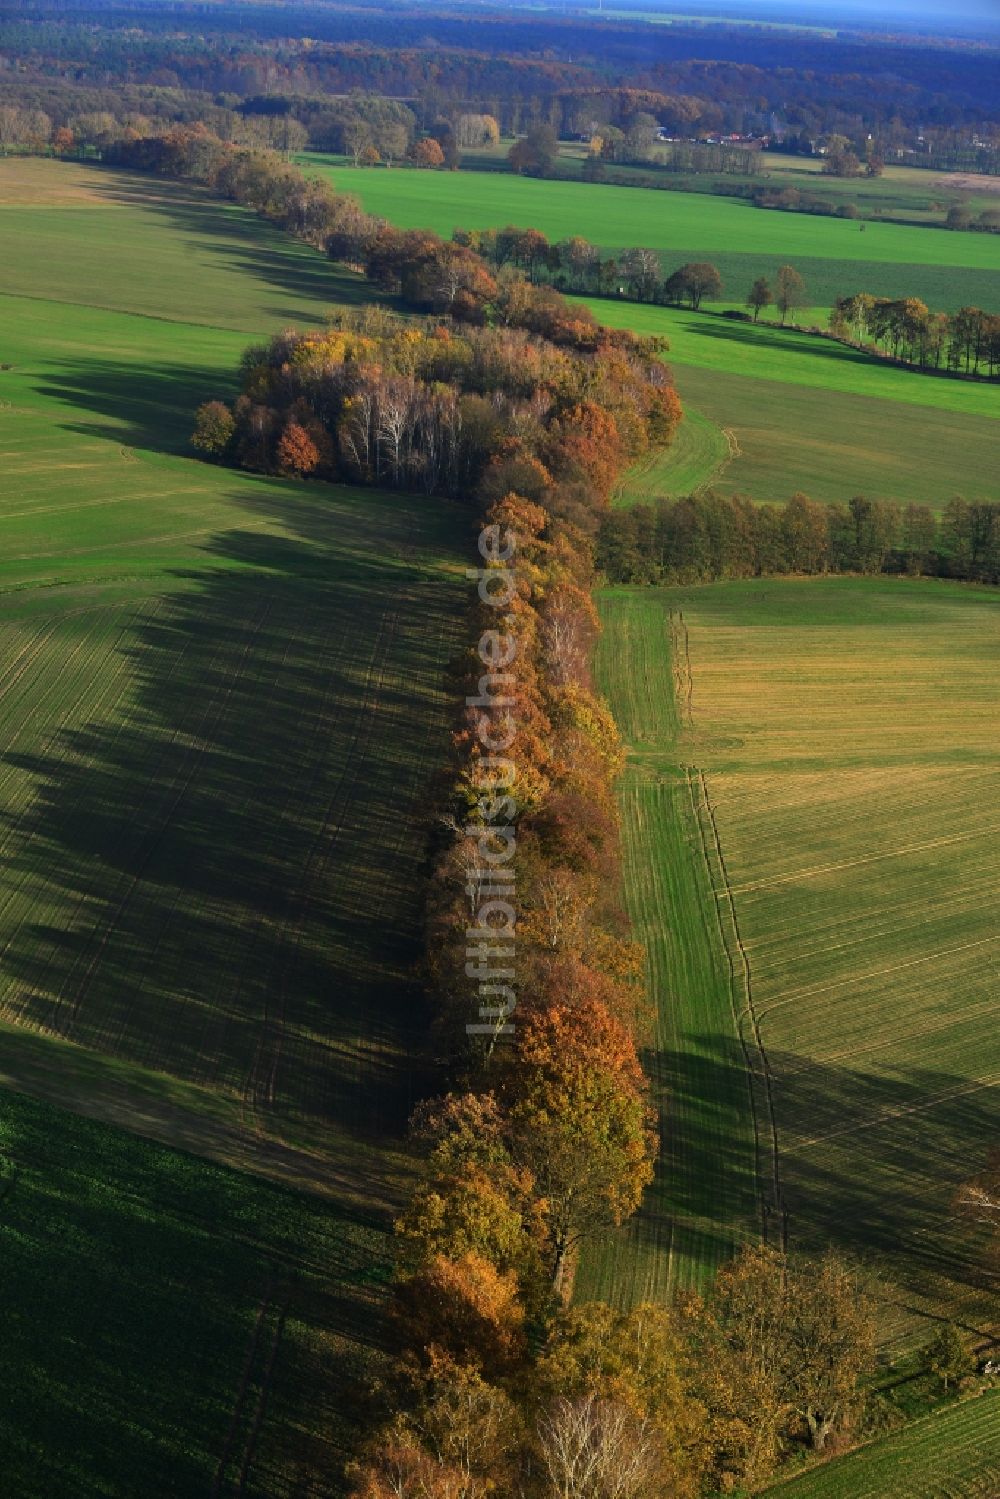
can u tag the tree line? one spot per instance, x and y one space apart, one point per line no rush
454 410
545 1137
522 404
709 536
904 328
528 67
578 266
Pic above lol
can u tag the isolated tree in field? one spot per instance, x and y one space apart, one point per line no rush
427 153
759 296
791 291
948 1356
297 453
694 282
535 154
214 426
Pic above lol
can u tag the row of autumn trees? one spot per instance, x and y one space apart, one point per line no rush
708 536
904 328
576 265
446 408
545 1136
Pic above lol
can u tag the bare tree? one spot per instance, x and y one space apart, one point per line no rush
598 1449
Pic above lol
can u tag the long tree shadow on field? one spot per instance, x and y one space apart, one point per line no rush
228 871
773 336
152 405
243 243
869 1162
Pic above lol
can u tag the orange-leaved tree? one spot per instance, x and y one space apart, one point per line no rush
581 1122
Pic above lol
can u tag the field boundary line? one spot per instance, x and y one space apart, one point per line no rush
759 1073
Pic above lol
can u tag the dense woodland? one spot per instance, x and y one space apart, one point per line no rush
573 73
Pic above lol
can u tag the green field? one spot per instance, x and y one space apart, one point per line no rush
811 808
772 410
168 1324
221 704
700 454
946 269
806 413
829 444
902 194
952 1454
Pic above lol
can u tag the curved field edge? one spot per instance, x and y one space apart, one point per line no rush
834 444
954 1453
697 457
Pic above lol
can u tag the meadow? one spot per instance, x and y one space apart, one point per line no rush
810 813
222 705
946 269
767 438
901 194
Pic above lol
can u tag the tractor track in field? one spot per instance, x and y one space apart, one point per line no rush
759 1074
263 1395
264 1342
758 1066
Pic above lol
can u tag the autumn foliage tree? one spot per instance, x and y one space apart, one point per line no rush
696 282
213 428
581 1123
790 291
427 153
297 453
